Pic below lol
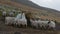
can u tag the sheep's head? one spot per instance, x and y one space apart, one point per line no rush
49 22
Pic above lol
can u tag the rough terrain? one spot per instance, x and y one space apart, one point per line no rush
4 29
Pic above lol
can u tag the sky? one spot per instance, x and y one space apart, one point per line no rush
54 4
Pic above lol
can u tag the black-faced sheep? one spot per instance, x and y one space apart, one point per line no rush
43 24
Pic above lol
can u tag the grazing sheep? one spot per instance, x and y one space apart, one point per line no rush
34 23
20 20
9 20
48 24
11 13
43 24
51 25
4 15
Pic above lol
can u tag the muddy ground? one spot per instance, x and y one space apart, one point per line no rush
4 29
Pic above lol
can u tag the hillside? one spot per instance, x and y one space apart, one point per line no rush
28 6
31 4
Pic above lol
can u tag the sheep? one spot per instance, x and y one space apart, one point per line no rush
20 20
9 20
11 13
51 25
48 25
4 15
43 24
34 23
37 24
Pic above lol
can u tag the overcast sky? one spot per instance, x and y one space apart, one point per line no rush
55 4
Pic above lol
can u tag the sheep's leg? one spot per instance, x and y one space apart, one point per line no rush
20 25
38 26
5 21
24 26
52 28
14 24
43 27
34 27
31 26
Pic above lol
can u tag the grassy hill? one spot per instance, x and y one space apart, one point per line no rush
28 6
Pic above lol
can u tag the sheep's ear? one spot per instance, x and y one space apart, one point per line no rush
48 22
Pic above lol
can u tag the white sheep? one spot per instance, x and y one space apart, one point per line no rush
34 23
4 13
11 13
52 25
9 20
21 20
43 24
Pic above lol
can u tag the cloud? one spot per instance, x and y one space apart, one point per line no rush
55 4
42 1
46 0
